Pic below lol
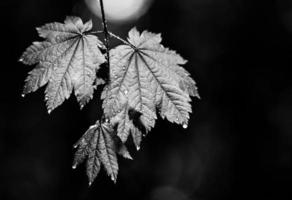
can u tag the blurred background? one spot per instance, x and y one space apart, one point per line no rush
239 141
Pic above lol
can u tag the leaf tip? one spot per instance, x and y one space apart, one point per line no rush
113 178
198 95
130 157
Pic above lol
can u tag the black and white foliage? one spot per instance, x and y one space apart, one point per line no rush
99 145
68 59
145 79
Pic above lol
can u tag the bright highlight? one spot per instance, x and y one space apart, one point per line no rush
119 10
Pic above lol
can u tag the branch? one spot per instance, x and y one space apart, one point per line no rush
106 34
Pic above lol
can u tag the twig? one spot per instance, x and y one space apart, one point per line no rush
106 35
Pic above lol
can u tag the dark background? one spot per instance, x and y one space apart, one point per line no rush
239 141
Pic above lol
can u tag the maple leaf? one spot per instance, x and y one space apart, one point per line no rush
68 59
118 108
146 77
100 146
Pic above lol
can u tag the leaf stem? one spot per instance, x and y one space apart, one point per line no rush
122 40
95 32
114 36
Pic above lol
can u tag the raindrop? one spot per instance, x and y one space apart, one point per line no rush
23 95
49 111
89 183
124 68
113 178
75 146
126 92
20 60
74 166
81 106
138 148
185 125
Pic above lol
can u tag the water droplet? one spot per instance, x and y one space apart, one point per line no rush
113 178
138 148
49 111
124 68
81 106
23 95
89 183
20 60
74 166
185 125
75 146
107 120
126 92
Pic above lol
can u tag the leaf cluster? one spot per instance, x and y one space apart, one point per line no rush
146 80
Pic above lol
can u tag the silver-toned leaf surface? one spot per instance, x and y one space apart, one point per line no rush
147 78
99 147
67 60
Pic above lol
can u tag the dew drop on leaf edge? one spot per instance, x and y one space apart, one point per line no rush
113 178
185 125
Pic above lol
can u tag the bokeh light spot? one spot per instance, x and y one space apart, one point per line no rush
118 11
